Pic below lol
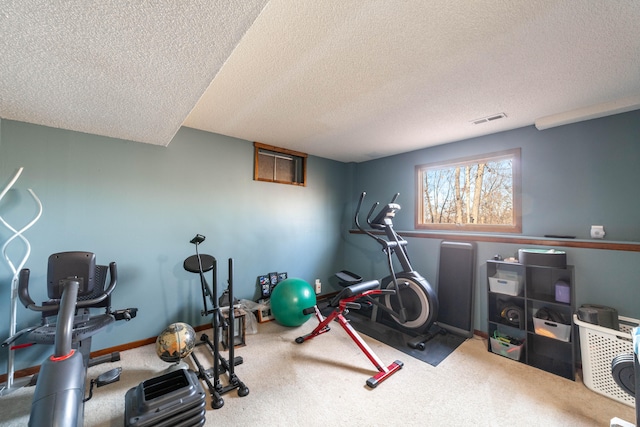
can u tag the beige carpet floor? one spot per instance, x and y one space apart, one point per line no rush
322 382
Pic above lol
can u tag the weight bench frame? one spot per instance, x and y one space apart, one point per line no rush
342 302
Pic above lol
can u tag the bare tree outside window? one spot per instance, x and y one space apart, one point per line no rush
474 194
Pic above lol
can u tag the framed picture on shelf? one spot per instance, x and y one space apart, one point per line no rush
273 280
282 276
265 286
264 315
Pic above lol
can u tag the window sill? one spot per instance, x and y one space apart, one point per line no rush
527 240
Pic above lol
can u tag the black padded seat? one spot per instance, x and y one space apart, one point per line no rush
352 290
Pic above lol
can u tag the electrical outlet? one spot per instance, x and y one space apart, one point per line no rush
597 232
318 286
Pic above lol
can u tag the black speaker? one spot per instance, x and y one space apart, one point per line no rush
513 315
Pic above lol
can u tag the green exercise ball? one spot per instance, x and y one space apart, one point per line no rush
289 298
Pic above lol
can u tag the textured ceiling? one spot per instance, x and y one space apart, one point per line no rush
344 80
124 69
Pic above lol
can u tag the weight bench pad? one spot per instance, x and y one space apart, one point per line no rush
356 289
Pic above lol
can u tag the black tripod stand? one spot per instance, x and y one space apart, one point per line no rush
201 264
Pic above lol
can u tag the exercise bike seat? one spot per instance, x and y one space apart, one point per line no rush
354 290
92 293
192 265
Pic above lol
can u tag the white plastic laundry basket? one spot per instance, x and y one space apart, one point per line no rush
599 346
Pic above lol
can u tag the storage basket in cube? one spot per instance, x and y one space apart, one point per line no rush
506 281
599 346
551 329
505 286
511 351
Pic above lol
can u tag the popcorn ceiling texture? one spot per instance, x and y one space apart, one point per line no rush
345 80
130 70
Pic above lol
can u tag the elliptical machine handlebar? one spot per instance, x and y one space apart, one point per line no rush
357 218
357 214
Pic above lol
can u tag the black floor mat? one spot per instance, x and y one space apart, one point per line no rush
436 350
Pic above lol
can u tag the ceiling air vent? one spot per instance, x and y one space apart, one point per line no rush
489 118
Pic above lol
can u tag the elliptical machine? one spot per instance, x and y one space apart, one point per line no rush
413 306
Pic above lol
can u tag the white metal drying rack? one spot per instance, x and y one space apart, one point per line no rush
10 385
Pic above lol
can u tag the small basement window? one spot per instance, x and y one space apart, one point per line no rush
274 164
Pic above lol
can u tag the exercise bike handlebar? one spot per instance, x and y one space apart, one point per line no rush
25 298
64 328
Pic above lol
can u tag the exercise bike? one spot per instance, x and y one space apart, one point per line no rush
413 306
75 283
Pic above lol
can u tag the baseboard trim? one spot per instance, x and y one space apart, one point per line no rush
118 348
481 334
140 343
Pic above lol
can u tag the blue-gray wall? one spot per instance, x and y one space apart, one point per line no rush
573 177
139 205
